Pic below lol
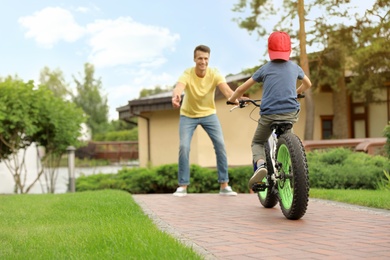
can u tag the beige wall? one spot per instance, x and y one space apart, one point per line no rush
238 128
323 106
377 114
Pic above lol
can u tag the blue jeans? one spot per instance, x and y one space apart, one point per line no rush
213 128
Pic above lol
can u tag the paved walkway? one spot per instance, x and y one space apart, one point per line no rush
240 228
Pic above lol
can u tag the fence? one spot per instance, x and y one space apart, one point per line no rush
128 150
112 151
368 145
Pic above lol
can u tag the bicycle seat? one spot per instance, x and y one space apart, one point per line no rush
281 126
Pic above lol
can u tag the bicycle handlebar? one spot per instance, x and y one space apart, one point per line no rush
244 102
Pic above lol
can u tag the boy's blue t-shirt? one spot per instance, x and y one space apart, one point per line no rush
279 86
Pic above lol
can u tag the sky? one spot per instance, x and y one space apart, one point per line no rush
133 45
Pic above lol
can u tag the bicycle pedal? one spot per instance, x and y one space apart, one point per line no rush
259 186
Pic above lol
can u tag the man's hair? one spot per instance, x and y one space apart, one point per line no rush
202 48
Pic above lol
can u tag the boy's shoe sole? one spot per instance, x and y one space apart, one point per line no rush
258 176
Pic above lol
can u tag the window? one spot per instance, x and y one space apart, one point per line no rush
326 127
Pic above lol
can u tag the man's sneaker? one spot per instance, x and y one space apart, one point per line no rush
180 192
227 192
258 176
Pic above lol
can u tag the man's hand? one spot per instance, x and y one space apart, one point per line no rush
176 101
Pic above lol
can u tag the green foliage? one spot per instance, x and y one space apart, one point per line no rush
202 180
163 179
238 178
33 114
120 125
55 81
91 100
387 135
124 135
332 169
344 169
59 123
374 45
157 90
19 115
384 184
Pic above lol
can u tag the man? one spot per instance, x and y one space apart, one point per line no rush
198 108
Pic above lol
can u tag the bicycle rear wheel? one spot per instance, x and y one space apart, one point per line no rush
267 198
293 185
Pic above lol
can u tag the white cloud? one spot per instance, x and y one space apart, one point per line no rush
82 9
126 42
51 25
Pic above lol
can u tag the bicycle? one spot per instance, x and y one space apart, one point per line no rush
287 180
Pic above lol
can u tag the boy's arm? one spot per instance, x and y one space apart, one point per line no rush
306 84
241 90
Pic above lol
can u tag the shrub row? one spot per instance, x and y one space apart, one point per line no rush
333 169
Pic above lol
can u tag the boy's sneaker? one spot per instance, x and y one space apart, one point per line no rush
180 192
258 176
227 192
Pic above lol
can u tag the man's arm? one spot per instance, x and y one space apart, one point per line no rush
176 94
225 89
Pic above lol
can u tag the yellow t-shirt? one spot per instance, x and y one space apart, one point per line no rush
199 92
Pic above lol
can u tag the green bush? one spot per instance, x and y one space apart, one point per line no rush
386 132
238 178
342 168
384 184
163 179
123 135
338 168
94 182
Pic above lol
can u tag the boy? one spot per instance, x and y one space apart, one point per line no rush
279 101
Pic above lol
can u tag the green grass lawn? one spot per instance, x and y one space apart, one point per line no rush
88 225
368 198
107 225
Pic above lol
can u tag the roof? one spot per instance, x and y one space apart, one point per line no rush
162 101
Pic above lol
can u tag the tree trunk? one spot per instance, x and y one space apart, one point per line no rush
304 62
340 110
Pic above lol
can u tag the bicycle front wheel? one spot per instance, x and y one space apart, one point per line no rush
293 185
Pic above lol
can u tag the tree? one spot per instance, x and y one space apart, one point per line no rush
157 90
261 10
32 114
371 59
338 41
328 71
59 127
90 99
55 81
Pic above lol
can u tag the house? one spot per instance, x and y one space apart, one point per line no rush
158 125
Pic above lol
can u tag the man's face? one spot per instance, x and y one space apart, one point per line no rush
201 60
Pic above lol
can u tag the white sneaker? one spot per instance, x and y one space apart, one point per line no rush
227 192
180 192
258 176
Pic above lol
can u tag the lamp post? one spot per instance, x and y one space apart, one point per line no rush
71 151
